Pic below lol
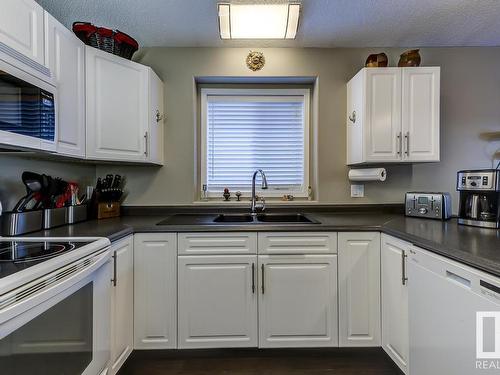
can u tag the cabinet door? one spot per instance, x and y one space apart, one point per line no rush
122 303
359 289
21 28
355 119
66 58
298 301
155 291
117 115
383 114
154 152
420 114
217 301
395 340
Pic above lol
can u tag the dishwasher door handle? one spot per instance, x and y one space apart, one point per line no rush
404 277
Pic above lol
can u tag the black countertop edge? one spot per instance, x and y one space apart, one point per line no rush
453 254
458 256
221 207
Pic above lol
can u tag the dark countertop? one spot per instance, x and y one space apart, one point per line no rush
476 247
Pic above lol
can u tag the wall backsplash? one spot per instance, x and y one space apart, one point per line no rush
470 97
12 188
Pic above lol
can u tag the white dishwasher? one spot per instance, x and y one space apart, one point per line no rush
444 299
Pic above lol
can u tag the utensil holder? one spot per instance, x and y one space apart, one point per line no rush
76 214
54 217
17 223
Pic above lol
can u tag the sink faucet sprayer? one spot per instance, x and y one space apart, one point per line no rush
261 206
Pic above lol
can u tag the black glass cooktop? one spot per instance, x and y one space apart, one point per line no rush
18 255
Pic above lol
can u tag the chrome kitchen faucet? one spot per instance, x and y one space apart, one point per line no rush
258 206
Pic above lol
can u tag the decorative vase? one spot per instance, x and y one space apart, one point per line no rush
410 58
376 60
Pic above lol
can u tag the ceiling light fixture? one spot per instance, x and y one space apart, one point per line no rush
258 21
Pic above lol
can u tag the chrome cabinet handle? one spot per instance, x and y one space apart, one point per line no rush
159 116
262 268
113 280
352 117
404 278
407 141
253 278
399 143
146 143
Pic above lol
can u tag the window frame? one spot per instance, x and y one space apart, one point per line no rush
279 92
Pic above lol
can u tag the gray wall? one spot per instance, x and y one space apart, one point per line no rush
470 106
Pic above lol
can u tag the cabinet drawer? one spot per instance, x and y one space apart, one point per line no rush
217 243
298 243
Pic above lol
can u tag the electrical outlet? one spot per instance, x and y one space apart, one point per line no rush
357 191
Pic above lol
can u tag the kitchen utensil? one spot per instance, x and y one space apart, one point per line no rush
33 183
116 181
76 214
109 181
98 185
54 217
17 223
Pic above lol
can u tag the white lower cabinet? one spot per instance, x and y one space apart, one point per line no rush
395 339
359 289
155 291
298 301
217 301
122 303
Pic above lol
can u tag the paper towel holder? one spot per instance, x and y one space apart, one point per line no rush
367 174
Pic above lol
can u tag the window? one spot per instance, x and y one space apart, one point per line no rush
248 129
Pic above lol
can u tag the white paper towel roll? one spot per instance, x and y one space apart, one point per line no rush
368 174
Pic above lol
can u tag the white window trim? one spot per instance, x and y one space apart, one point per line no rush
205 92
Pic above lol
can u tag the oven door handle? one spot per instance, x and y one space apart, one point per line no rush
29 295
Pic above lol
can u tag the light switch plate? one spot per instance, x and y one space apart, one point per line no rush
357 191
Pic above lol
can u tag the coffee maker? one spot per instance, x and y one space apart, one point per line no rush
479 197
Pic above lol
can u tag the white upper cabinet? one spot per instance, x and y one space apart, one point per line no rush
359 289
383 114
117 107
420 114
65 56
124 110
154 152
393 115
21 32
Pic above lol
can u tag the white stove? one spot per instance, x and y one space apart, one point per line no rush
55 305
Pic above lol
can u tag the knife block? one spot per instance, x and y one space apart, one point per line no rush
107 210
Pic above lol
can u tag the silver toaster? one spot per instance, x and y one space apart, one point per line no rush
428 205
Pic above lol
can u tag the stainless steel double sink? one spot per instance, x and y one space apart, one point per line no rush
238 218
264 218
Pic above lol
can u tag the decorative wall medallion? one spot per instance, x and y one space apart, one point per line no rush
255 60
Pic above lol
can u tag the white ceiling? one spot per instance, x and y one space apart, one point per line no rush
324 23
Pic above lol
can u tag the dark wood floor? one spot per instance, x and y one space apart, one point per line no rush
261 362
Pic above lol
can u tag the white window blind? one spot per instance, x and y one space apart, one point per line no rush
245 132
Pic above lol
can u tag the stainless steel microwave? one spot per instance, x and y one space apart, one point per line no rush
27 110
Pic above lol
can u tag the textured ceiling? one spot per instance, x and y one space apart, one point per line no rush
324 23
